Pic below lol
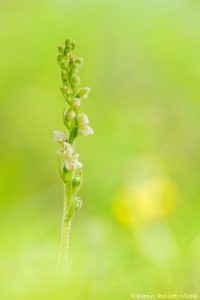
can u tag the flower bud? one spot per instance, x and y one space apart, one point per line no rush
67 51
75 103
78 203
83 92
75 80
78 60
76 181
73 44
67 48
66 168
85 130
82 119
74 68
65 90
59 58
67 42
60 49
70 114
64 74
63 63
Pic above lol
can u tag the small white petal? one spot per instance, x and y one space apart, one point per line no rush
65 150
72 163
76 156
67 165
68 148
59 136
78 165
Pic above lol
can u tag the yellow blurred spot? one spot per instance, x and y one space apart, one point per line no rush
153 199
124 206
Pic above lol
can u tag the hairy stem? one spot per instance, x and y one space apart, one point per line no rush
65 229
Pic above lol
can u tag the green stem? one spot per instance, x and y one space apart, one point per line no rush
65 227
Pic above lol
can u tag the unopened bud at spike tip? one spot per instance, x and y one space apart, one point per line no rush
67 42
73 45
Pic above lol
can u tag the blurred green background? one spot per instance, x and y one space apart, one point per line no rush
139 229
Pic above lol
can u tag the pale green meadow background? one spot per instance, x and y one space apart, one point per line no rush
139 229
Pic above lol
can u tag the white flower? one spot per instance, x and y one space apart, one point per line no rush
59 136
82 119
85 130
66 150
72 163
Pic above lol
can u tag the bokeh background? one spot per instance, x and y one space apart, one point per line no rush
139 229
